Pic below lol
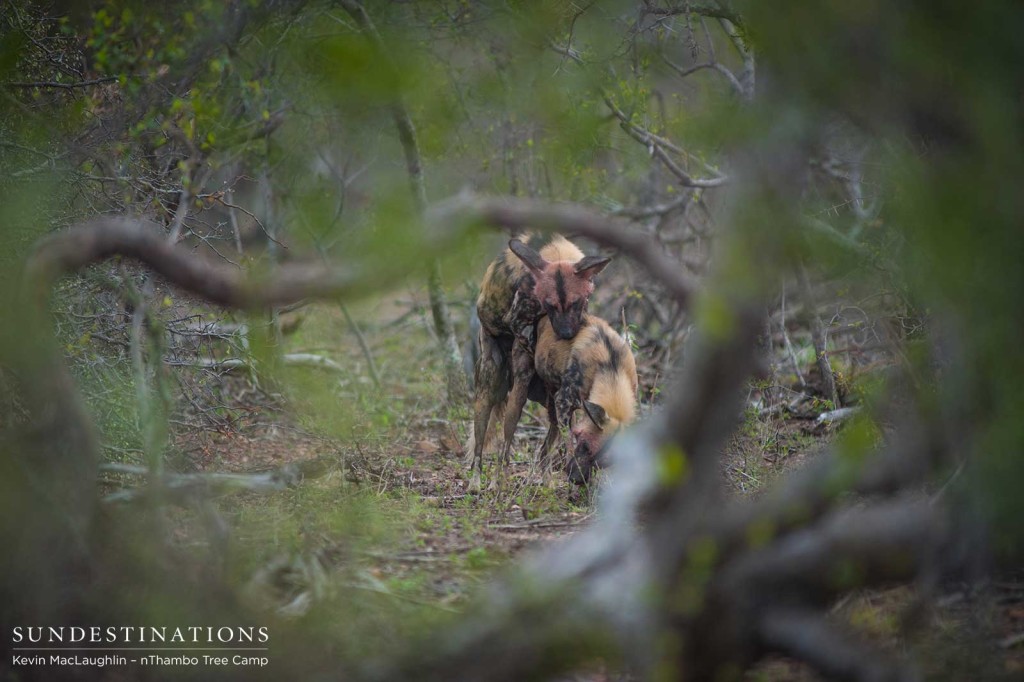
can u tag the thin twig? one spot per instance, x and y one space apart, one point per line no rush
61 86
786 341
226 204
363 346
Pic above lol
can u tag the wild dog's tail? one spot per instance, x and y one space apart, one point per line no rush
471 349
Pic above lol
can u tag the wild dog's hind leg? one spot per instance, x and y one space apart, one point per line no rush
491 386
485 397
522 374
544 453
469 450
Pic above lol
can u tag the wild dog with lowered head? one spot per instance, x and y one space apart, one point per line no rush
595 371
519 286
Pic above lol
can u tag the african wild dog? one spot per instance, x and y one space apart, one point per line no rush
518 287
595 371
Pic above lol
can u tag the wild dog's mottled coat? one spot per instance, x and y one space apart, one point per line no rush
597 367
518 287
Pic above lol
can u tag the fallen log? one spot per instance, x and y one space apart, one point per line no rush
186 488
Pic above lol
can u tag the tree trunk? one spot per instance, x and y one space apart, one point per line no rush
828 380
458 390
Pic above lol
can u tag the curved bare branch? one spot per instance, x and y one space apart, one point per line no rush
657 146
97 240
515 214
809 637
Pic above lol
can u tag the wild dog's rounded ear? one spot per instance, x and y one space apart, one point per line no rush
533 260
589 266
596 413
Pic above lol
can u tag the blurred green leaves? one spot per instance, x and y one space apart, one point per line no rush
938 83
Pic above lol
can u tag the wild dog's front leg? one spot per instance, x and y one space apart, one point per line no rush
570 393
544 454
522 373
523 314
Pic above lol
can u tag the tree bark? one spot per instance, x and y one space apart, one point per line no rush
828 379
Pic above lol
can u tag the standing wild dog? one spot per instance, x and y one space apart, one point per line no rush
595 371
531 278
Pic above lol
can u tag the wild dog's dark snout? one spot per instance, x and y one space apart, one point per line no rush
577 476
581 465
564 325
